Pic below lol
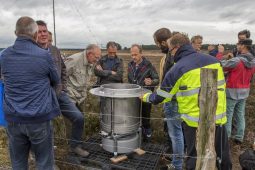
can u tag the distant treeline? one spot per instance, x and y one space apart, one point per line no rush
154 47
226 46
145 47
204 47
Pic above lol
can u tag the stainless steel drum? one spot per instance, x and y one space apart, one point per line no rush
123 111
120 116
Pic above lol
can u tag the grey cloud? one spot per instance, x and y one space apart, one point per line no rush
1 24
217 5
24 4
125 7
251 22
235 22
79 22
230 14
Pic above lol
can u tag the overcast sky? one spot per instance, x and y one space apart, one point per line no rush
80 22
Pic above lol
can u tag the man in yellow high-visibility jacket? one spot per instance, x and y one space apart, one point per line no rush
183 83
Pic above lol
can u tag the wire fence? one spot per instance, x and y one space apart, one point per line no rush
121 116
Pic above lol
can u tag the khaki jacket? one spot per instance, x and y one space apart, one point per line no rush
79 73
161 70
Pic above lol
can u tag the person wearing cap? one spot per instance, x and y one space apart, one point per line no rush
240 70
242 35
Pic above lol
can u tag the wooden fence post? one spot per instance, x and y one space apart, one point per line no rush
206 156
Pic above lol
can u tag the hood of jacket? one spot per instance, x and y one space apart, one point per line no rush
248 60
183 51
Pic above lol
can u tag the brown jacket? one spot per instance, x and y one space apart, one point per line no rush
60 65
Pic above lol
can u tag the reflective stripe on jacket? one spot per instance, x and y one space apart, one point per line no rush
183 81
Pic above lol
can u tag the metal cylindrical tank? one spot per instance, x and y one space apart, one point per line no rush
125 117
120 116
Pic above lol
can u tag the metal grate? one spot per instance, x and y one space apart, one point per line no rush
100 157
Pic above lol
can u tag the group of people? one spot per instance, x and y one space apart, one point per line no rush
40 86
179 91
238 67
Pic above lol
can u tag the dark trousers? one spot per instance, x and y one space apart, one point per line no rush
71 112
146 114
221 147
36 136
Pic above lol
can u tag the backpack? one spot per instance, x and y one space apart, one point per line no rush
247 159
2 119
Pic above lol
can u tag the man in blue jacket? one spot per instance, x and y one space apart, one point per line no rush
30 102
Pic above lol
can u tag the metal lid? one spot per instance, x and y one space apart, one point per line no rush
119 90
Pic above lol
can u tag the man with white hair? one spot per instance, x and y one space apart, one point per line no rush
79 69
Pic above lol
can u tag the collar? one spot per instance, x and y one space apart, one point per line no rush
24 37
85 60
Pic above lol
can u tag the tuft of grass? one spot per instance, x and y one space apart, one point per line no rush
4 153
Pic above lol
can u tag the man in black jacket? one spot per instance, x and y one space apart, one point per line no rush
143 73
109 68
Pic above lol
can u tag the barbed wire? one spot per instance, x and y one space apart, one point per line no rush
135 117
88 87
126 116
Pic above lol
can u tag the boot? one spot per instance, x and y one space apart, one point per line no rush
79 151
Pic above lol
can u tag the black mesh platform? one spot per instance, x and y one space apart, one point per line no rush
101 158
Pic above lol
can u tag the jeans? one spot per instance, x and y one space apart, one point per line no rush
24 137
71 112
236 111
223 161
174 124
